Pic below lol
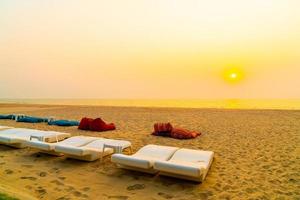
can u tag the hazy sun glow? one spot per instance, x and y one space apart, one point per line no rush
149 49
233 75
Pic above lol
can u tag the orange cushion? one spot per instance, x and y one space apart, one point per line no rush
180 133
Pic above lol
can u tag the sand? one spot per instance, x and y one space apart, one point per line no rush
257 156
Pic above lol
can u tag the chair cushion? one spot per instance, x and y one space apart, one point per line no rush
143 162
99 125
193 156
156 152
41 145
66 149
192 169
85 123
63 123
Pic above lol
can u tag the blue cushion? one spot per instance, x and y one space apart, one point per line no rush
7 117
29 119
64 123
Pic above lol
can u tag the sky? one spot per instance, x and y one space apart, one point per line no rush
150 49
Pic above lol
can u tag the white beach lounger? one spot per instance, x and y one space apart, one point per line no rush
49 148
94 150
5 127
144 159
186 164
17 137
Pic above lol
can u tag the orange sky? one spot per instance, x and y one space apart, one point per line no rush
149 49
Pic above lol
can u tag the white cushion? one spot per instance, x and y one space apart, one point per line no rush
14 131
5 127
193 156
77 141
69 146
145 157
156 152
93 147
187 162
10 139
23 134
143 162
45 146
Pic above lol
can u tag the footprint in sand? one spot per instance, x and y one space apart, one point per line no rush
63 198
27 166
168 183
70 188
118 197
165 196
28 177
57 189
2 163
55 169
41 191
62 178
85 189
8 171
136 187
292 180
77 194
43 174
57 182
28 187
203 194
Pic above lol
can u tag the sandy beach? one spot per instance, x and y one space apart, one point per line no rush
256 155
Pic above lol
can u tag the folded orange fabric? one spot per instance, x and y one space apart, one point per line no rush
167 130
180 133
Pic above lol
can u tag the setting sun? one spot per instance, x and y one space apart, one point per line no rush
233 75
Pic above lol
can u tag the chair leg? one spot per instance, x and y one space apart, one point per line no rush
130 150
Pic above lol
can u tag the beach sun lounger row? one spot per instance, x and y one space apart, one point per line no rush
171 161
165 160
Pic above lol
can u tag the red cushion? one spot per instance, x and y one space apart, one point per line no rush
162 129
110 126
99 125
85 123
180 133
